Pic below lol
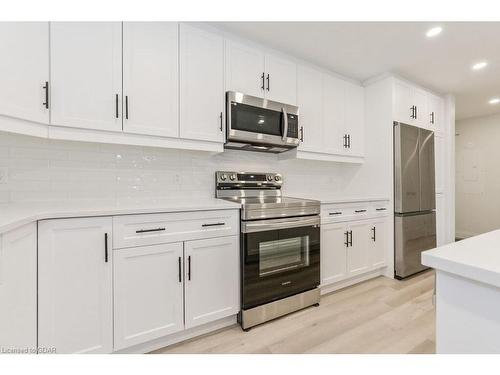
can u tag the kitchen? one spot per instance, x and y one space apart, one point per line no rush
182 187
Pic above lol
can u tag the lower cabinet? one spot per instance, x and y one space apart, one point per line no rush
212 283
75 285
349 249
148 293
18 290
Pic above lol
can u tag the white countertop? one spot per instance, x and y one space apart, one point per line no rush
14 215
476 258
336 199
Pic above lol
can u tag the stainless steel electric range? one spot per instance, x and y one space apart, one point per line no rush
280 246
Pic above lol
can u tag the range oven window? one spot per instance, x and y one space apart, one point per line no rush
283 255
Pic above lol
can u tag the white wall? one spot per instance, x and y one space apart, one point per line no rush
477 175
48 170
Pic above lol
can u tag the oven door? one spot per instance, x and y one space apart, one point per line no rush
259 121
280 258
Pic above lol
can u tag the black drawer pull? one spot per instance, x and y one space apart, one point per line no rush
105 247
381 209
150 230
359 211
335 213
180 270
213 225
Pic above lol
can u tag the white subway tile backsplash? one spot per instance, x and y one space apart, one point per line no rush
52 170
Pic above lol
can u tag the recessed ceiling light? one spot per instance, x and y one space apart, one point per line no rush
434 31
494 101
479 65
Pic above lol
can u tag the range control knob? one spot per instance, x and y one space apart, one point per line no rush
269 177
232 177
277 178
223 177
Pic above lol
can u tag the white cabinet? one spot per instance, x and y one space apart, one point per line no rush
24 70
440 219
310 103
333 253
75 302
358 254
86 75
202 85
354 119
252 72
281 79
435 119
440 165
421 117
378 241
403 102
334 105
150 78
148 293
244 69
211 279
18 289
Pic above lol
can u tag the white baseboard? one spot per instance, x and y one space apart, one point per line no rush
325 289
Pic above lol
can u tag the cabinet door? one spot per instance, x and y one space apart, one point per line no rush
75 301
403 102
24 70
148 293
18 288
86 74
378 242
310 102
202 85
440 219
151 78
244 69
211 279
333 114
354 118
436 112
419 98
333 253
358 254
281 80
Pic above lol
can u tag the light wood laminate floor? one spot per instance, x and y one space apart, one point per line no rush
377 316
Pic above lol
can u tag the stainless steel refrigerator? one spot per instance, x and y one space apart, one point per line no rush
414 198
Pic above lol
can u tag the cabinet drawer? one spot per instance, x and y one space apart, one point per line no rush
152 229
347 211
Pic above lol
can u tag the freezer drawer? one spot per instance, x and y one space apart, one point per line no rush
413 234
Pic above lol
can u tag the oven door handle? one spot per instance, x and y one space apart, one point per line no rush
285 125
267 225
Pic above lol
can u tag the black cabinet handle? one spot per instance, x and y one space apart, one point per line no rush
350 235
412 113
189 267
374 234
359 211
220 116
344 138
150 230
46 88
126 107
432 117
348 141
268 82
416 112
262 77
381 209
180 270
346 243
213 224
302 134
105 247
335 213
116 105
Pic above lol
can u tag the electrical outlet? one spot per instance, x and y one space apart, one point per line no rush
4 175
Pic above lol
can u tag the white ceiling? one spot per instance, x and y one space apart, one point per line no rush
361 50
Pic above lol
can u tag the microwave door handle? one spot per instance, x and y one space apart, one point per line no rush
285 122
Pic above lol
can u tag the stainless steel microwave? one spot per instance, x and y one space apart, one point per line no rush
258 124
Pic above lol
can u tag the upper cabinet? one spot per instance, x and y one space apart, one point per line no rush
86 75
253 72
415 106
24 70
202 85
151 78
331 119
